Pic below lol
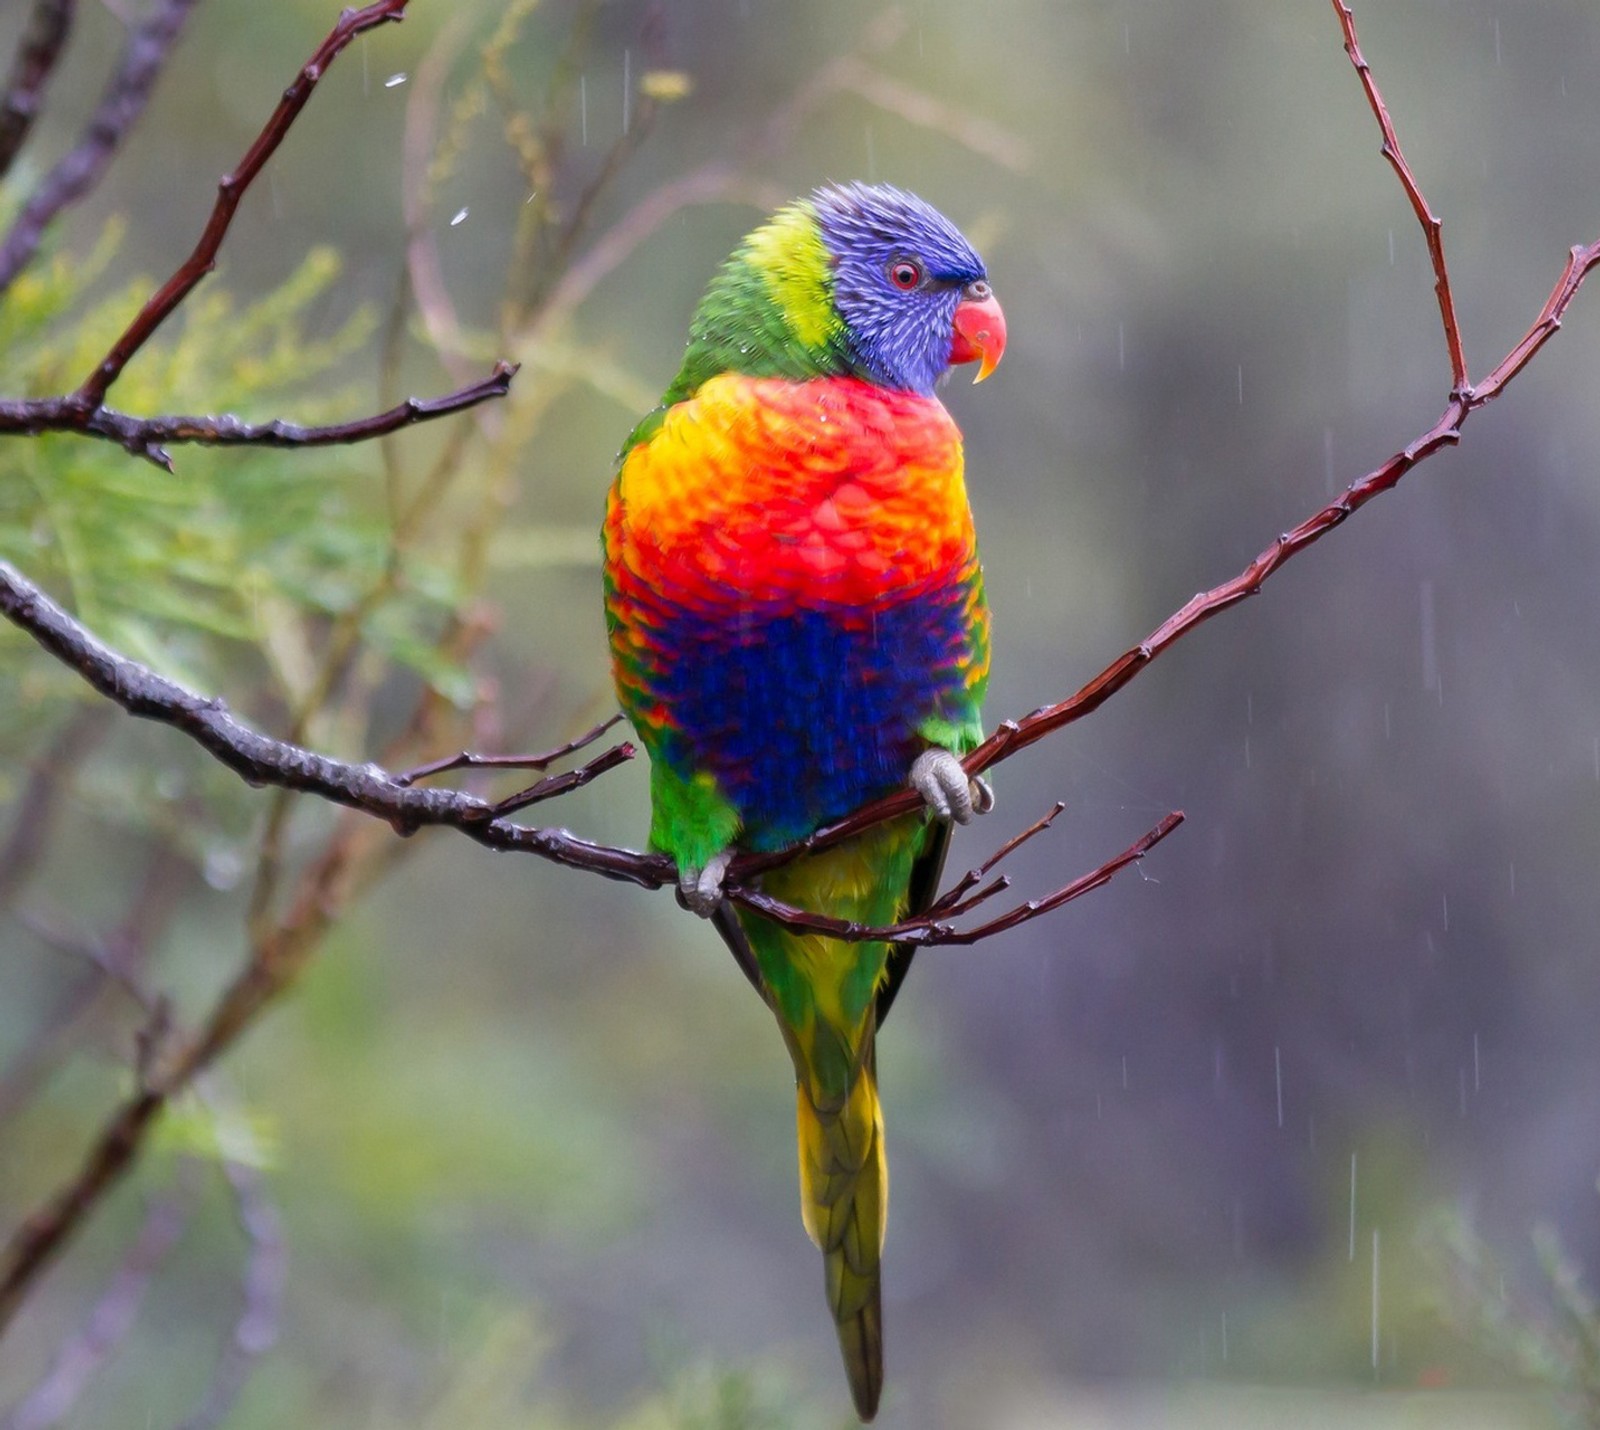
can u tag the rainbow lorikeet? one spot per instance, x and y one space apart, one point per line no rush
798 626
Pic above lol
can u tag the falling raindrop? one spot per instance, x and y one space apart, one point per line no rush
1352 1206
1241 384
1445 900
460 218
1374 1300
1124 1072
627 89
396 80
1224 1337
1497 54
1513 879
583 110
1122 347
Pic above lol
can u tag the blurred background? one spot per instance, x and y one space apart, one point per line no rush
1267 1129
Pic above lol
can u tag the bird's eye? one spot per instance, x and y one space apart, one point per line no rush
905 273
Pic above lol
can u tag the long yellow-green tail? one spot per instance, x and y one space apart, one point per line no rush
824 992
844 1199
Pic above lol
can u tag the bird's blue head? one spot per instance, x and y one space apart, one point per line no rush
857 279
913 295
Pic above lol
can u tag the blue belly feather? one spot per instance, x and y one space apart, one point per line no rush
803 717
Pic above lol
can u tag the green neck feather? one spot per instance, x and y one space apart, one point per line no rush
769 312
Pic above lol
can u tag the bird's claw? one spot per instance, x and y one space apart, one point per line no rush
947 789
700 890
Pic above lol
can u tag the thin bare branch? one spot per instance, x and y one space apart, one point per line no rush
143 59
1432 224
84 410
43 41
931 931
567 781
147 436
258 759
466 760
203 259
1013 736
944 906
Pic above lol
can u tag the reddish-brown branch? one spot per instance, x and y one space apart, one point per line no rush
931 931
1014 736
1432 224
947 905
143 59
162 303
84 410
37 55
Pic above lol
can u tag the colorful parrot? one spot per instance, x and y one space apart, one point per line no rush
797 626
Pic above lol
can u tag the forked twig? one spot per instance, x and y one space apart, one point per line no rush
367 788
1465 398
467 760
929 930
1432 225
84 410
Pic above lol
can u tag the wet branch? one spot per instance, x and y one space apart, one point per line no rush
84 410
260 759
933 929
1465 398
394 798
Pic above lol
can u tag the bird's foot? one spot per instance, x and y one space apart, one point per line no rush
947 789
700 890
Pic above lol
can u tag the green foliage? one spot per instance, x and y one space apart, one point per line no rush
241 553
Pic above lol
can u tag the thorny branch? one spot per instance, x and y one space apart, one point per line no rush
84 411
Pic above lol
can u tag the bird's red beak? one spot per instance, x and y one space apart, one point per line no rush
980 330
